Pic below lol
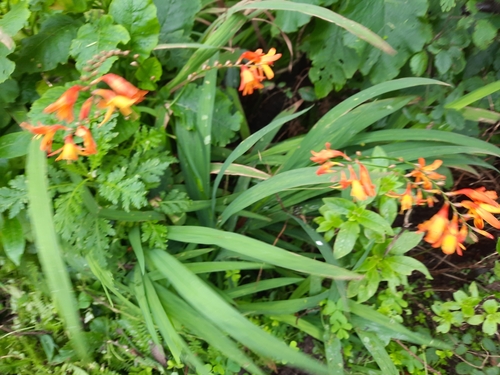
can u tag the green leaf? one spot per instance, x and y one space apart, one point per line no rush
258 250
15 144
226 120
374 221
140 19
95 37
290 22
155 235
148 73
474 96
210 304
418 63
10 24
12 237
406 265
484 34
475 320
176 15
490 306
443 61
346 238
50 46
405 242
134 237
116 188
490 325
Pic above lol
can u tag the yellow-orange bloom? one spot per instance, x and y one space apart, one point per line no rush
64 105
481 212
86 107
69 151
406 199
479 195
452 239
112 101
361 188
435 226
123 87
262 61
249 80
327 154
424 174
47 131
89 145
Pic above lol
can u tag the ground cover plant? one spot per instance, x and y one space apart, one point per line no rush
249 187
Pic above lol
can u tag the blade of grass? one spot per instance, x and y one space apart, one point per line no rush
247 144
49 252
315 136
291 306
239 170
302 324
134 237
186 315
216 310
260 286
377 350
140 296
480 115
474 96
333 353
323 13
258 250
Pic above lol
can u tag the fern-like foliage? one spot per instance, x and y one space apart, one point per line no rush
14 198
174 203
154 234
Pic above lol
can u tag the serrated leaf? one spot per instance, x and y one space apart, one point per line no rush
50 46
14 198
93 38
332 62
418 63
176 202
12 237
447 5
402 24
120 190
155 235
346 238
139 18
226 121
484 34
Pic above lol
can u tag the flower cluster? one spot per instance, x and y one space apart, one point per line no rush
121 96
423 184
256 69
361 188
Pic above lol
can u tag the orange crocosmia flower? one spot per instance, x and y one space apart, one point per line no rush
406 199
326 154
64 105
326 167
250 80
481 212
484 233
262 61
123 87
89 145
111 101
69 151
435 226
451 240
479 195
361 188
86 107
425 173
47 131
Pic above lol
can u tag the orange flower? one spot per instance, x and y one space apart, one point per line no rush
47 131
361 188
481 212
325 168
261 60
86 107
69 151
435 226
123 87
406 199
451 240
479 195
425 173
326 154
112 101
90 147
64 105
250 80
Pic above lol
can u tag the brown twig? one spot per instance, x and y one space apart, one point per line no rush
418 358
